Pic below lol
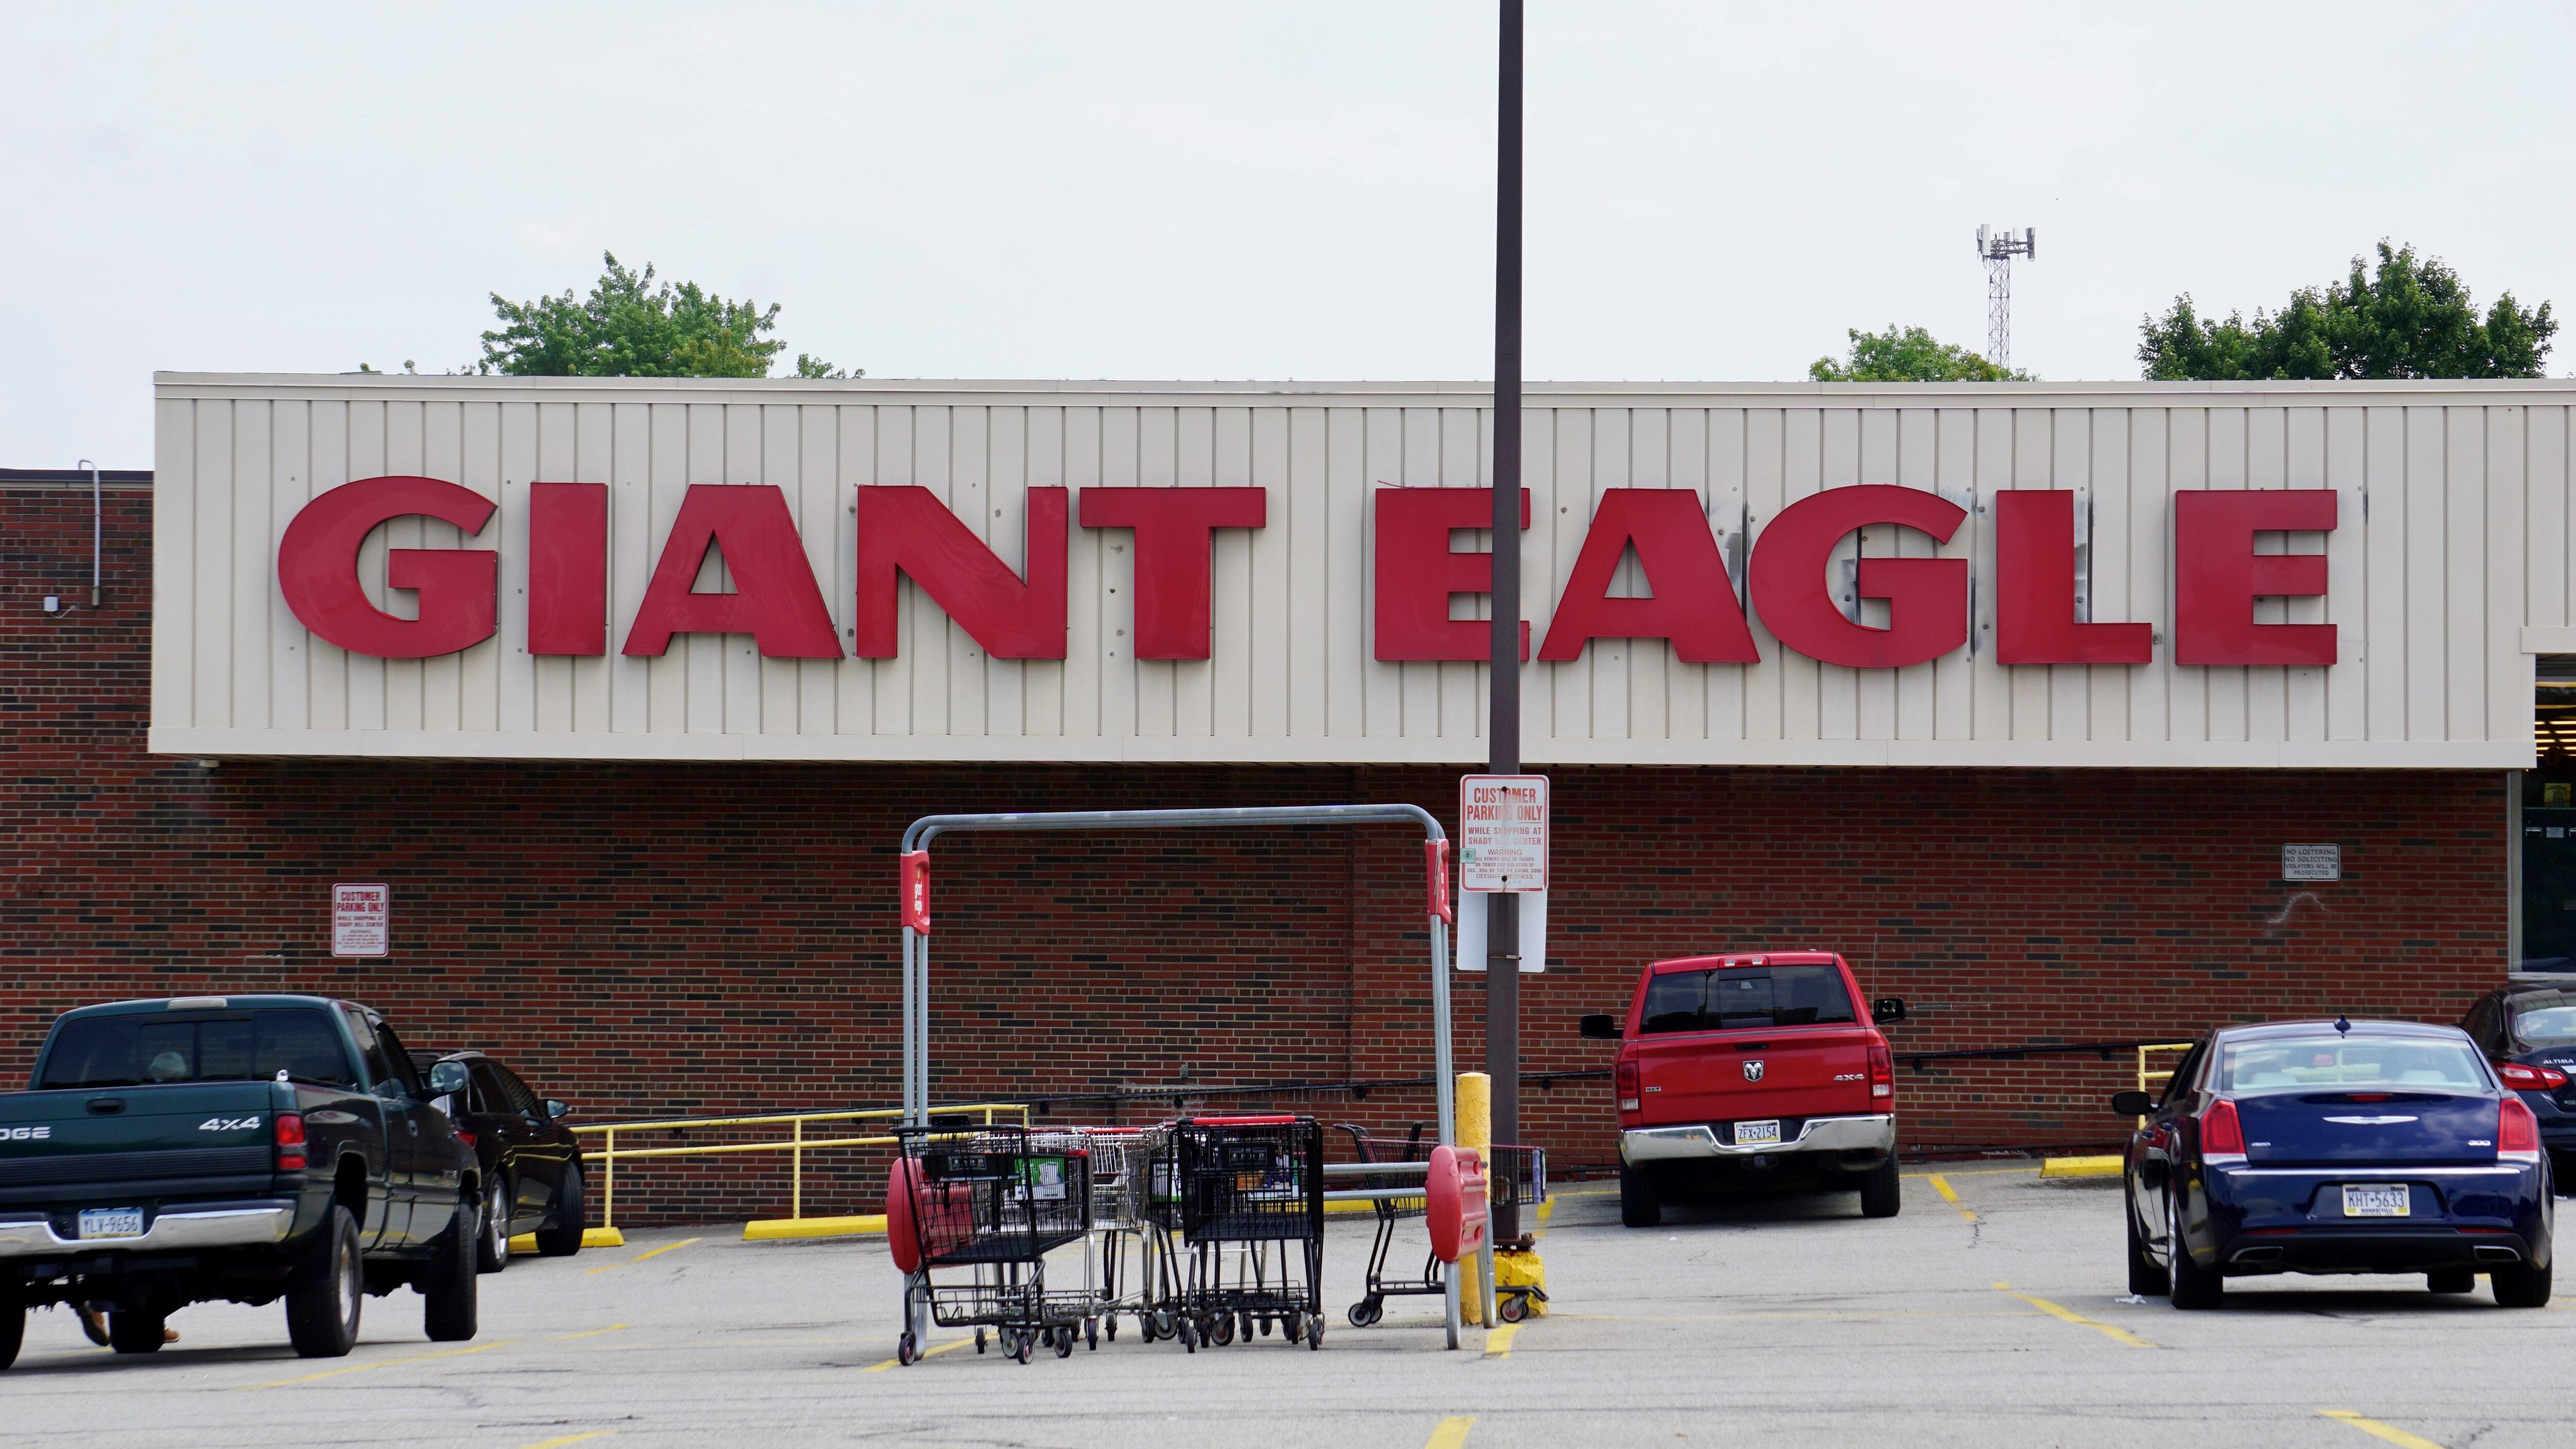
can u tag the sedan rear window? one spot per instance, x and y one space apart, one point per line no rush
2295 1064
2545 1021
137 1051
1733 998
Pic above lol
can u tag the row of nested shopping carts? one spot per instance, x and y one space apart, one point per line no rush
1202 1229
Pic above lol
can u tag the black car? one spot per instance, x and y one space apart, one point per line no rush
531 1163
2336 1147
2528 1029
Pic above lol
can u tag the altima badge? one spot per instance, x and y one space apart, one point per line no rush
1753 1071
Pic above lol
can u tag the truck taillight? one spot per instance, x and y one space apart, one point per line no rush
1626 1076
290 1142
2221 1135
2525 1078
1882 1072
2517 1131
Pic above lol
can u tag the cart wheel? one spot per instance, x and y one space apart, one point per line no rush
1314 1330
1511 1308
1367 1311
1112 1326
1091 1332
1064 1345
1246 1325
1223 1331
1027 1345
979 1340
906 1352
1166 1322
1189 1340
1266 1322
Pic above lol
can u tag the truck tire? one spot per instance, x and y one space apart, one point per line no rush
1638 1205
13 1325
136 1330
1880 1195
324 1299
492 1245
572 1213
447 1282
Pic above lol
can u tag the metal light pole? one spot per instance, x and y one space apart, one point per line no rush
1503 961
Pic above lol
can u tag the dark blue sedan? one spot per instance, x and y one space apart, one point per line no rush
2336 1147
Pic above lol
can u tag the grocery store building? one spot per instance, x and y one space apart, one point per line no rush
2070 713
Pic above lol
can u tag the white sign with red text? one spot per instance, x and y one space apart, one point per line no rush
1502 832
361 919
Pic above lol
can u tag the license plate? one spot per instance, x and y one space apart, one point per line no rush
1755 1134
2393 1201
111 1223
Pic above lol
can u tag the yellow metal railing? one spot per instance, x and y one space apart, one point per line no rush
795 1144
2148 1077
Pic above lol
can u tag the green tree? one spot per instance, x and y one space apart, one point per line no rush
1908 354
2409 317
628 328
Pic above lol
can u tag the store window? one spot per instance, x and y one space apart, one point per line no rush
2549 824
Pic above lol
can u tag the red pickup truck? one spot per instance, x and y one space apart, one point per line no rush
1752 1070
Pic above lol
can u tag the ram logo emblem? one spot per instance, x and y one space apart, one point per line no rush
1753 1071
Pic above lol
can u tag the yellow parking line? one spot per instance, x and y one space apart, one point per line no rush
1452 1433
878 1368
1980 1171
1498 1341
571 1439
640 1257
593 1333
359 1368
2114 1332
2389 1432
1941 1185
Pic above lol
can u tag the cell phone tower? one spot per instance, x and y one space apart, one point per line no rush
1999 248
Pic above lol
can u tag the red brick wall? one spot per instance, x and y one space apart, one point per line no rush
648 940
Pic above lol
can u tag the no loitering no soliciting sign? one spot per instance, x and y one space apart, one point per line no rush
1502 832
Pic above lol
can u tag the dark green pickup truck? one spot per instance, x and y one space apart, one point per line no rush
242 1148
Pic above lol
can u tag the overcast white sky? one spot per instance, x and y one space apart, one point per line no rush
1217 190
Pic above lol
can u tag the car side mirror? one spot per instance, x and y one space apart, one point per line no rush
2132 1104
447 1079
1887 1010
556 1109
1598 1028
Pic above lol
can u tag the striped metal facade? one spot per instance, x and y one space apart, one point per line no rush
2450 568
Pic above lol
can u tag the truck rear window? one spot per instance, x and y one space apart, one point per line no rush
1733 998
136 1051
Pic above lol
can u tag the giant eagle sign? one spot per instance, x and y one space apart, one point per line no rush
2141 575
1691 603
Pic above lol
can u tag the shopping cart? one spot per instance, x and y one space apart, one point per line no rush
1137 1271
1250 1198
1392 1209
972 1213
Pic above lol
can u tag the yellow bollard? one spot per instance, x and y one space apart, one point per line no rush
1475 1130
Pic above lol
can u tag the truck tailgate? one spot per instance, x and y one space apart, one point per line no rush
194 1139
1729 1077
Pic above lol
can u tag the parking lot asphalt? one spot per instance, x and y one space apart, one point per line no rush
1988 1313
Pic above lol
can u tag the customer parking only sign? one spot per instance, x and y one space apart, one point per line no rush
1502 832
361 919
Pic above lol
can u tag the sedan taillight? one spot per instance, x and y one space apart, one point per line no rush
2221 1135
2517 1131
2523 1077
